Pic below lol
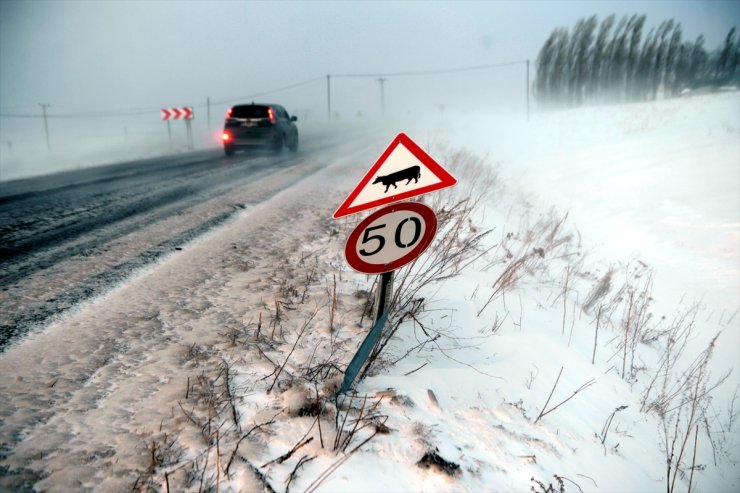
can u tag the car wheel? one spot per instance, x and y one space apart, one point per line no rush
293 146
228 150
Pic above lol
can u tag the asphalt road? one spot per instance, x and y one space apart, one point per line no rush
68 237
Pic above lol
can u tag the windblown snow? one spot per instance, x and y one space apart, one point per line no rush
614 234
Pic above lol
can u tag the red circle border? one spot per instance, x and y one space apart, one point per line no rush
430 223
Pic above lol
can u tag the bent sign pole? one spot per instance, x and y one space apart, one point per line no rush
394 236
354 367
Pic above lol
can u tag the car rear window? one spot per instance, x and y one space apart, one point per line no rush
250 111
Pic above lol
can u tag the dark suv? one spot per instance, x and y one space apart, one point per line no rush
259 125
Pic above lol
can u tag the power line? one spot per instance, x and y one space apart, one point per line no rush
272 91
382 77
434 71
14 115
148 111
89 114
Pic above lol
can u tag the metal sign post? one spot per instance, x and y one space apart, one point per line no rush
382 309
384 294
189 131
185 113
169 133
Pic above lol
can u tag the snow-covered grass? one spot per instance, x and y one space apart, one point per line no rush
553 358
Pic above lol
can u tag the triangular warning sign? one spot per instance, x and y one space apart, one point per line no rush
403 171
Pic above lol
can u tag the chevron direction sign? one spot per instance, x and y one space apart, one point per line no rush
185 113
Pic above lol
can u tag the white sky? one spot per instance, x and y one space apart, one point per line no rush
82 56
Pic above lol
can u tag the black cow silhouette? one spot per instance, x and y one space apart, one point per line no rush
412 173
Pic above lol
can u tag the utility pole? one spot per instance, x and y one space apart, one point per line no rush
328 97
46 125
208 113
527 89
382 96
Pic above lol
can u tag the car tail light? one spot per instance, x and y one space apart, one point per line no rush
271 114
226 136
228 112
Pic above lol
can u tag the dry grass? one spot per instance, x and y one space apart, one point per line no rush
458 243
297 339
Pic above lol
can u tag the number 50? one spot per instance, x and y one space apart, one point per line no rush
380 239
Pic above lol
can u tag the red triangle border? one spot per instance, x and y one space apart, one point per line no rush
446 179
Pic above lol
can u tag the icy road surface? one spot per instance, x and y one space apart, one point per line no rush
70 236
123 365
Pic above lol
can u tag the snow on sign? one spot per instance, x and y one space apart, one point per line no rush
403 171
185 113
390 238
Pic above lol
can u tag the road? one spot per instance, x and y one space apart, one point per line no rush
71 236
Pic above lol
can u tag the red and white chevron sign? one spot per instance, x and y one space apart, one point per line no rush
185 113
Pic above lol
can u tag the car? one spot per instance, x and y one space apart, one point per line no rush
259 125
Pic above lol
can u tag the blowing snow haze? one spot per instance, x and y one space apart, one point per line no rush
105 69
178 315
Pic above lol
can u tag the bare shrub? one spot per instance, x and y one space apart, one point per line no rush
164 452
542 488
682 411
298 338
607 425
459 243
523 254
663 389
364 415
720 426
347 429
636 294
599 291
545 411
678 390
560 480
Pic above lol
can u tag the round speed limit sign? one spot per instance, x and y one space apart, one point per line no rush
391 237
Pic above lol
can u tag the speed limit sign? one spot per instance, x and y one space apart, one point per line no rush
391 238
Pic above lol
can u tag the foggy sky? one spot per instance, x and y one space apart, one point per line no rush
111 55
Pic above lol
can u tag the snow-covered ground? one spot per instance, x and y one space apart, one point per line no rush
656 181
205 371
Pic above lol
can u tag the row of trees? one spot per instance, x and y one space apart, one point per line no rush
612 62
